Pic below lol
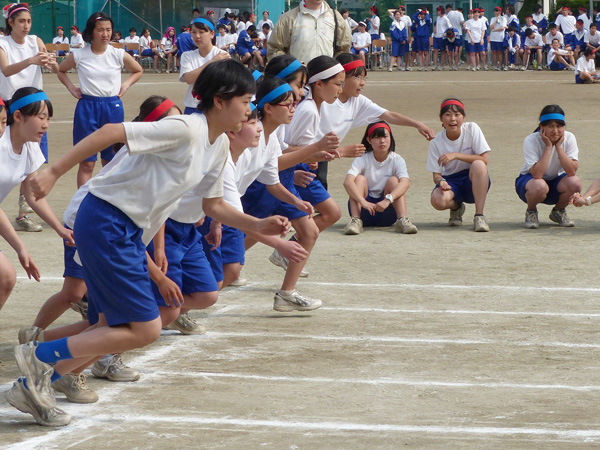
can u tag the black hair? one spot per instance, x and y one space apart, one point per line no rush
374 10
195 10
231 28
268 85
225 79
377 132
132 29
528 32
13 16
277 64
448 6
319 64
588 51
222 25
551 109
91 24
511 28
454 108
537 7
552 26
33 109
203 26
344 10
251 29
594 25
265 11
510 9
345 58
266 25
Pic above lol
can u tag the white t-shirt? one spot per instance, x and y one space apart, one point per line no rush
351 23
303 130
552 53
533 148
592 39
342 117
477 27
167 43
442 24
261 22
230 190
558 35
374 25
15 168
497 36
132 40
586 21
241 26
259 163
145 43
566 23
534 41
585 66
30 76
99 75
377 173
456 19
168 158
77 40
228 39
190 61
60 40
470 142
361 39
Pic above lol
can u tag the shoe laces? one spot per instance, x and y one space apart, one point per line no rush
79 383
116 363
187 321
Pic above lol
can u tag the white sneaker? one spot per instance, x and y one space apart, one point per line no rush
456 215
277 259
390 69
186 325
354 227
21 398
26 224
24 207
479 224
28 334
112 368
239 282
37 372
531 219
403 225
295 302
75 388
81 307
561 218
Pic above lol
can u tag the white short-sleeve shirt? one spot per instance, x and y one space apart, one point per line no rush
456 19
377 173
566 23
592 39
168 158
99 75
77 40
471 142
534 41
259 163
497 36
441 25
585 66
342 117
361 39
30 76
558 35
132 40
60 40
477 27
304 128
533 148
14 168
190 61
230 190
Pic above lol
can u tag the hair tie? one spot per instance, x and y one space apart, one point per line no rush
159 110
274 94
327 73
27 100
452 102
353 65
202 20
378 125
291 68
552 116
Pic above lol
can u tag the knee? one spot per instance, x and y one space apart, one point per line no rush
331 212
210 298
87 166
8 279
538 188
152 332
573 184
308 234
478 168
437 201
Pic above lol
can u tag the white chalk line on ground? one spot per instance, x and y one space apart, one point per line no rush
376 381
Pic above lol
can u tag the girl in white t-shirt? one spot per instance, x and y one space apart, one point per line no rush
76 38
377 183
458 158
22 56
123 211
148 48
99 66
193 62
549 174
585 71
168 45
20 158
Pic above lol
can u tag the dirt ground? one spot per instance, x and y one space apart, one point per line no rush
443 339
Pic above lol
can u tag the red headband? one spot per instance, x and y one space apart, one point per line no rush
2 103
353 65
159 110
452 102
378 125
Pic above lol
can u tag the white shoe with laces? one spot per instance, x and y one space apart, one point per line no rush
26 224
278 259
112 368
186 325
75 388
24 207
23 399
295 301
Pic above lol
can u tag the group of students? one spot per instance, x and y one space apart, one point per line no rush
181 197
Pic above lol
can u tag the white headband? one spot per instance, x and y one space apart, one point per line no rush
326 73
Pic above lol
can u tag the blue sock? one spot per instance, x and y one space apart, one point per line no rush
53 351
55 376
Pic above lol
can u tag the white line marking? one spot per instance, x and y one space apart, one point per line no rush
376 381
462 311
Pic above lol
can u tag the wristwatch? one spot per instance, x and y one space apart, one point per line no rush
588 200
390 197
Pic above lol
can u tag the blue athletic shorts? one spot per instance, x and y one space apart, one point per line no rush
356 52
438 44
461 186
314 193
188 266
115 268
147 52
421 44
230 251
553 194
44 146
72 269
557 66
399 49
91 113
496 46
380 219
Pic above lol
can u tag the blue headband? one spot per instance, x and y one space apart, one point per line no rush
252 107
553 116
208 23
256 75
295 65
274 94
28 100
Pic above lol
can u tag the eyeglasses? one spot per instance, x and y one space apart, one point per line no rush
289 106
360 78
